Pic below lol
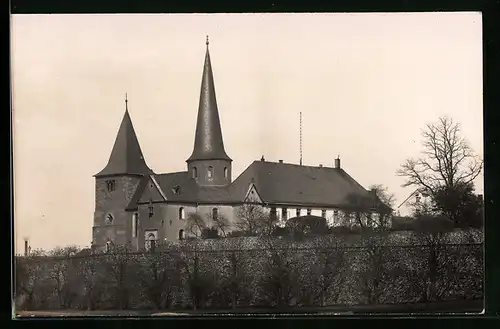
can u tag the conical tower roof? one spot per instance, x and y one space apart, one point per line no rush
126 156
208 143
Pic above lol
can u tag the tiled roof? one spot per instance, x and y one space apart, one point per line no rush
276 183
126 156
282 183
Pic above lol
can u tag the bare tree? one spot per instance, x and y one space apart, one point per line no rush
118 272
63 273
280 279
359 211
447 159
384 206
329 264
236 279
91 273
195 224
160 274
221 223
30 274
253 219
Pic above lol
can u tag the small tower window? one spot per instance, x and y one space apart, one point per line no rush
226 172
297 212
111 185
135 224
215 213
181 234
210 172
181 213
195 172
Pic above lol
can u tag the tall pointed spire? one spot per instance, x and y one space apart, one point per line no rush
208 143
126 156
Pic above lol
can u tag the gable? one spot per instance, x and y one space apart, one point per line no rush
252 194
152 192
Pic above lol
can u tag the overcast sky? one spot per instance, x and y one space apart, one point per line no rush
366 85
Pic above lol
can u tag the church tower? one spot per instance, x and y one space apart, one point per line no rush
115 185
209 164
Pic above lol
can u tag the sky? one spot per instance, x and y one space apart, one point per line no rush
366 85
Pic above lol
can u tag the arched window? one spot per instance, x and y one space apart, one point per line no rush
195 172
226 172
108 246
181 234
215 213
210 172
181 213
135 224
151 241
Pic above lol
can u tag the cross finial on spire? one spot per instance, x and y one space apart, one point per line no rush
206 42
126 102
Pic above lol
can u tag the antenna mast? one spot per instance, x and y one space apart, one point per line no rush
300 132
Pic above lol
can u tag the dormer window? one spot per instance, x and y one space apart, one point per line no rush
210 172
195 172
176 190
111 185
226 172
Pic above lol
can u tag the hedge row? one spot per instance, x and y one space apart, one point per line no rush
235 273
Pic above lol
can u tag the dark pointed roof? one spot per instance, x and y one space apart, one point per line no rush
208 143
126 156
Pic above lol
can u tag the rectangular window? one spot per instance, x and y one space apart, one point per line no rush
323 213
284 213
273 213
135 224
308 212
297 212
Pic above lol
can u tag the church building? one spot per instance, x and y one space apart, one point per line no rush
134 205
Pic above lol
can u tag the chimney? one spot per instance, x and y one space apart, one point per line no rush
321 166
337 163
280 161
25 248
